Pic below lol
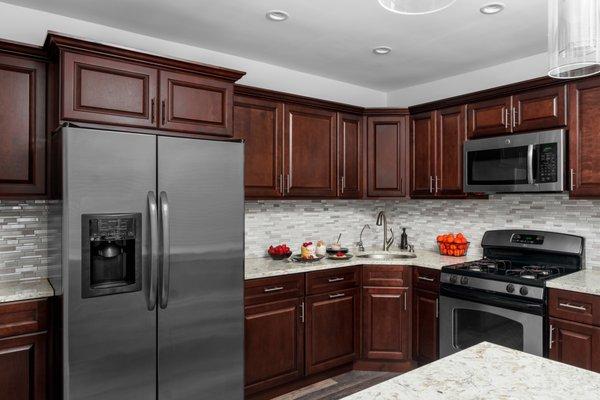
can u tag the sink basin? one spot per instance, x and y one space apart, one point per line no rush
386 256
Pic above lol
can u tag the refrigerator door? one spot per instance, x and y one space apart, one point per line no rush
200 323
109 350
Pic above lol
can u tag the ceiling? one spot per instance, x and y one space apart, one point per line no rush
332 38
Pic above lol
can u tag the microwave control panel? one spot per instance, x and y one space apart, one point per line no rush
548 165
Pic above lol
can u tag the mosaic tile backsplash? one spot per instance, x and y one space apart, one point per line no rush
24 224
273 222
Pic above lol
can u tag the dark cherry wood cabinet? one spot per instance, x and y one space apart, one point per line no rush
575 344
22 125
24 350
423 155
195 104
260 124
350 155
387 156
540 109
489 118
451 134
310 152
584 138
425 326
332 329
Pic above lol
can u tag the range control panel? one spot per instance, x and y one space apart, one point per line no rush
527 239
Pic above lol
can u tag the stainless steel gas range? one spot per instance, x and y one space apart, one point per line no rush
502 297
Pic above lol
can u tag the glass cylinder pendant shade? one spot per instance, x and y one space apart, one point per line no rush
573 38
415 6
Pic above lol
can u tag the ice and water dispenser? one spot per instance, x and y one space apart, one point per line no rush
111 254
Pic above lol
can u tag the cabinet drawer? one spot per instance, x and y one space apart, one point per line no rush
265 290
573 306
332 279
386 276
426 278
23 317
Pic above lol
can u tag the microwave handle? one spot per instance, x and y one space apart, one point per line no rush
530 164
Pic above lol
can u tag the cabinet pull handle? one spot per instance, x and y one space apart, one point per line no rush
152 107
437 308
431 184
436 184
335 280
273 289
426 279
572 179
405 300
514 117
506 118
337 295
288 183
302 312
163 112
280 183
573 307
343 183
551 337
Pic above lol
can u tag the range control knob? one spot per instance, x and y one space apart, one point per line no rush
510 288
453 278
464 280
524 290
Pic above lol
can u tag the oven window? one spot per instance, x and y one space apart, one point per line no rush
472 327
506 166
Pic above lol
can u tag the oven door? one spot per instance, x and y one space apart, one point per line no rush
467 322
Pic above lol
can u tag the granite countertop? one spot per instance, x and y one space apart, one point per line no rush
584 281
25 290
265 267
490 372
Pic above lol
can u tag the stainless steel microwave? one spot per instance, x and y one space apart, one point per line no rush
531 162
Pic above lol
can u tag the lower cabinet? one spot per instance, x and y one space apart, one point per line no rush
425 326
332 329
575 344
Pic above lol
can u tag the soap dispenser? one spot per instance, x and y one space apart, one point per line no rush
403 240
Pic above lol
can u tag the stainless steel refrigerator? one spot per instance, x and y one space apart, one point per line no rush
151 280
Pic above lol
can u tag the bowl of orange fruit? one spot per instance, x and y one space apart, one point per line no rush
453 245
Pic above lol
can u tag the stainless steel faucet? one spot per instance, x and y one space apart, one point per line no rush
361 246
382 220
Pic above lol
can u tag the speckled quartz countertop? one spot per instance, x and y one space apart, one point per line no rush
25 290
490 372
265 267
585 281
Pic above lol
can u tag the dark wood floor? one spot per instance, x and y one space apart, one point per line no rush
339 386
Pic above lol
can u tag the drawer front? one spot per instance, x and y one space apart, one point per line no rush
23 317
332 279
573 306
426 278
386 276
266 290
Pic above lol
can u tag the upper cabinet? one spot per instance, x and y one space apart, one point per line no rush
490 117
101 84
350 157
422 155
387 156
22 123
310 152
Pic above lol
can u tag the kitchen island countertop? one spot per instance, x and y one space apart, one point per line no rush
490 372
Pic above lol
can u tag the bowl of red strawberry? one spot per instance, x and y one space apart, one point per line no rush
280 252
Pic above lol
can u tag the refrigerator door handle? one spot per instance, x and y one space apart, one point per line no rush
165 265
153 216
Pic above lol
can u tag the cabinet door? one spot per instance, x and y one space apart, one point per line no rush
260 124
274 337
105 91
489 118
540 109
310 152
387 156
423 149
350 155
451 136
195 104
575 344
332 330
22 127
425 326
584 138
23 367
385 323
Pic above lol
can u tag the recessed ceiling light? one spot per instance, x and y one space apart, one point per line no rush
492 8
382 50
277 15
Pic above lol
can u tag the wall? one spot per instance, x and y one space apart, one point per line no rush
30 26
498 75
272 222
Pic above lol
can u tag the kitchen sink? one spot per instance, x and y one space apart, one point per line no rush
386 256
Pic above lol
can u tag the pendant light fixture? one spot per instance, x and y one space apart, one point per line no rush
573 38
413 7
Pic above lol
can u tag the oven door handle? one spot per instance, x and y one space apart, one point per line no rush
493 299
